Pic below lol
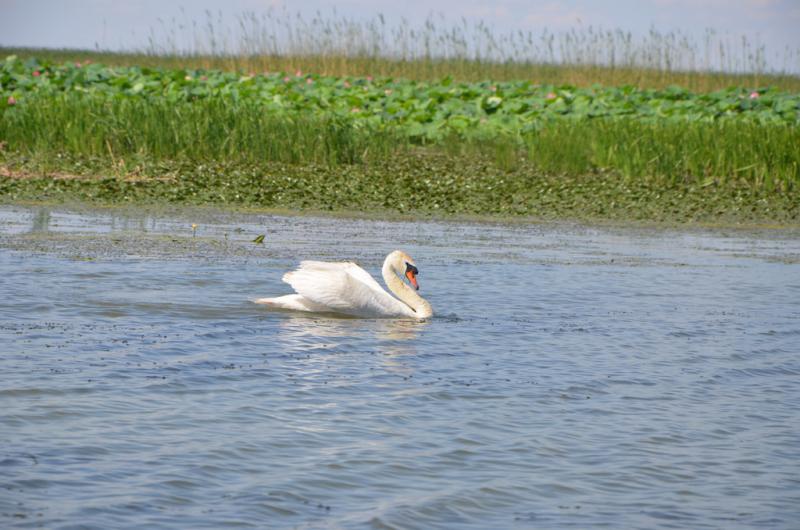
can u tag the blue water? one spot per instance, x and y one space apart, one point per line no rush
571 378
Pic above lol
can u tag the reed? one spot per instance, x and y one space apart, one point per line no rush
129 129
127 132
279 40
758 155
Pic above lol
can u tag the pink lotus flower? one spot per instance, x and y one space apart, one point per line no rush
309 81
550 95
754 95
11 100
493 88
36 73
203 78
78 64
347 84
369 78
298 74
286 79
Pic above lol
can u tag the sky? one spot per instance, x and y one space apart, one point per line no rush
120 24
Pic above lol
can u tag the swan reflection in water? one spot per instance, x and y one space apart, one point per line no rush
307 334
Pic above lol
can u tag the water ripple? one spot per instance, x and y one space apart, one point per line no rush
572 378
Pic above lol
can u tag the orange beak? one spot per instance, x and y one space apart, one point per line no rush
412 279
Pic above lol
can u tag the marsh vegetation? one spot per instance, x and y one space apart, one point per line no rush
326 114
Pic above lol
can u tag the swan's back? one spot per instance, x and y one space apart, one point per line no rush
344 287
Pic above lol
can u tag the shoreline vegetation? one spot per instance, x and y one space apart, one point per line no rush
330 44
421 186
425 132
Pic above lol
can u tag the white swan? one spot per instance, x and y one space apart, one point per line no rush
324 287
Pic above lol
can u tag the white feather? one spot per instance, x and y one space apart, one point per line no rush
344 287
294 302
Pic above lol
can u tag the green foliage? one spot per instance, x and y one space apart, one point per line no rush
761 154
121 128
391 144
429 110
420 184
463 50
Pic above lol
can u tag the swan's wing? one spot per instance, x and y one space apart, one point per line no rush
345 266
344 287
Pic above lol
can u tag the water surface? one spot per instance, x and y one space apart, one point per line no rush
571 378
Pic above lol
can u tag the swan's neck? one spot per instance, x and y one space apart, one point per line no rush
407 295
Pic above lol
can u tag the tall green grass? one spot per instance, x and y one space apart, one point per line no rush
763 156
336 45
128 131
216 129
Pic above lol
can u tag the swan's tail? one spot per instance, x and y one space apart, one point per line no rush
294 302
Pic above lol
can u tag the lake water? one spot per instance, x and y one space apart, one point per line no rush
572 377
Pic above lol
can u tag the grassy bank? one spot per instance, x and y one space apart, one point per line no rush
327 143
129 133
132 116
419 184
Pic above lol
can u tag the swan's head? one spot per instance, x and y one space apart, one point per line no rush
404 264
